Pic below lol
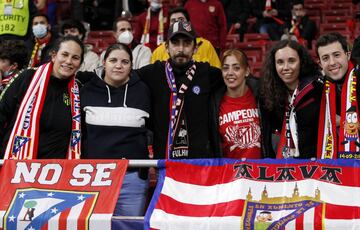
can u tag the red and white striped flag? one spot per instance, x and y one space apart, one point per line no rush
256 194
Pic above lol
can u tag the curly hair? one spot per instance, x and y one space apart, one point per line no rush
273 90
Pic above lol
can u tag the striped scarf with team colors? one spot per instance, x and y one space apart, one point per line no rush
339 141
23 141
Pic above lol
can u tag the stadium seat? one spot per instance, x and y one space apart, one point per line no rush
100 34
334 27
251 37
256 46
329 19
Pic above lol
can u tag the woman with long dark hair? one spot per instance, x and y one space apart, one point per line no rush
38 106
290 93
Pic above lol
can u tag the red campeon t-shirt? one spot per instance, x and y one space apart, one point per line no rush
240 126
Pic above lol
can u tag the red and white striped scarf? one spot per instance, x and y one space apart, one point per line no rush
24 138
145 38
346 144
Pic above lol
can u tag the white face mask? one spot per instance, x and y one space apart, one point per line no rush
39 30
155 6
125 37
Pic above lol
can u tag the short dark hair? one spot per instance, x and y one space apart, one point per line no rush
14 51
329 38
297 2
40 15
73 23
56 46
118 46
179 9
120 19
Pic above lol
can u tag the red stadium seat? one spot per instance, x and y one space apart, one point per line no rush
101 34
336 19
334 27
251 37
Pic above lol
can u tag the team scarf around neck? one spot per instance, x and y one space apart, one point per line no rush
24 138
345 144
288 145
176 103
36 52
145 38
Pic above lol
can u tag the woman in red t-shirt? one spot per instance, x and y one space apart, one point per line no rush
236 109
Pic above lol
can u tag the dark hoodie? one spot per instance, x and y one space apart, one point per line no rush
114 119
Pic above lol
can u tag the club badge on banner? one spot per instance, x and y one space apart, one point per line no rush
256 194
59 194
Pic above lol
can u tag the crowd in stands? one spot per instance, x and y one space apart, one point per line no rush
192 79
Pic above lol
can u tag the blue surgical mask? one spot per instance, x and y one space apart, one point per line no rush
39 30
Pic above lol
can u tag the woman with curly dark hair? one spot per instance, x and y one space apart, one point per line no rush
290 93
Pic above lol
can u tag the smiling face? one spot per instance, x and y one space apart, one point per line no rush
66 60
287 63
234 73
117 68
333 60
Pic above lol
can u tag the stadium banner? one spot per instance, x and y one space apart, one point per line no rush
59 194
256 194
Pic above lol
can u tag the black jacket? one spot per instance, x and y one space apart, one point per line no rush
253 84
196 106
307 28
307 115
55 119
114 119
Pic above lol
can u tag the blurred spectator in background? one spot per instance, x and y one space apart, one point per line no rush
13 55
42 36
134 7
123 33
99 13
300 25
16 27
152 25
237 12
74 27
271 16
47 7
209 21
205 52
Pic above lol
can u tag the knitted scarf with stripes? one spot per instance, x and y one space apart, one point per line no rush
145 38
344 143
23 141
